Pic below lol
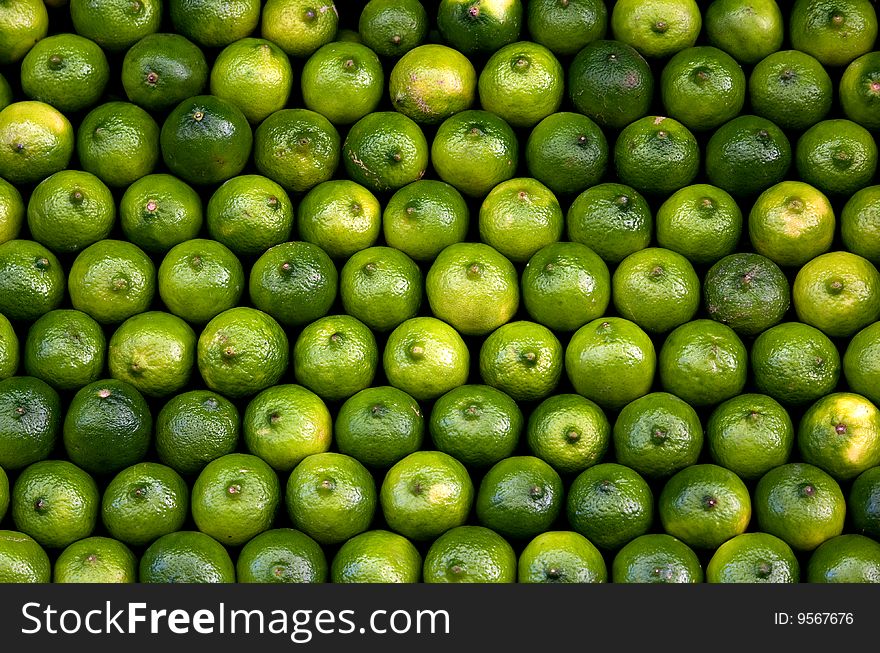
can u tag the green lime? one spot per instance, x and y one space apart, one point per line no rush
393 27
10 351
477 424
470 554
162 70
22 560
36 140
144 502
425 358
242 351
656 288
116 24
186 557
31 280
55 502
385 151
158 212
5 92
4 493
331 497
281 555
612 219
656 559
833 32
299 26
747 292
561 557
750 435
249 214
845 559
284 424
335 357
96 560
377 557
656 155
861 362
12 212
800 504
199 279
340 216
837 156
424 217
704 362
659 29
473 287
254 75
791 223
378 426
381 286
153 351
658 435
65 70
474 151
519 497
748 30
235 498
569 432
112 280
860 224
859 90
566 26
701 222
194 428
795 363
294 282
747 155
214 24
523 359
426 494
479 25
610 361
30 421
611 83
206 140
567 152
790 88
343 82
753 558
118 142
611 505
431 83
864 502
22 24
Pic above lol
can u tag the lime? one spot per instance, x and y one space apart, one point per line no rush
118 142
206 140
112 280
343 82
65 70
474 151
194 428
431 83
658 435
612 219
31 280
153 351
859 90
331 497
861 362
96 560
834 33
470 554
385 151
4 493
158 212
561 557
299 26
254 75
378 426
864 502
282 555
335 357
424 217
30 421
567 152
426 494
795 363
750 435
479 25
657 29
656 559
5 92
12 212
748 30
611 505
22 560
656 155
21 26
610 361
36 140
162 70
701 222
425 358
566 26
339 216
845 559
753 558
800 504
473 287
199 279
837 156
790 88
215 24
116 24
10 352
294 282
393 27
284 424
381 286
55 502
144 502
477 424
860 224
377 557
747 292
242 351
186 557
523 359
249 214
569 432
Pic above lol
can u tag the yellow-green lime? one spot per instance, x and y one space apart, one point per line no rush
479 26
5 92
860 90
30 421
561 557
381 286
162 70
343 82
861 362
249 214
656 29
214 24
845 559
96 560
567 152
393 27
432 82
281 555
186 557
340 216
384 151
656 155
299 26
523 359
22 560
116 24
753 558
656 558
613 220
160 211
12 212
748 30
833 32
864 502
703 223
860 224
566 26
377 557
22 24
36 140
118 142
790 88
470 554
31 280
65 70
424 217
747 155
569 432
